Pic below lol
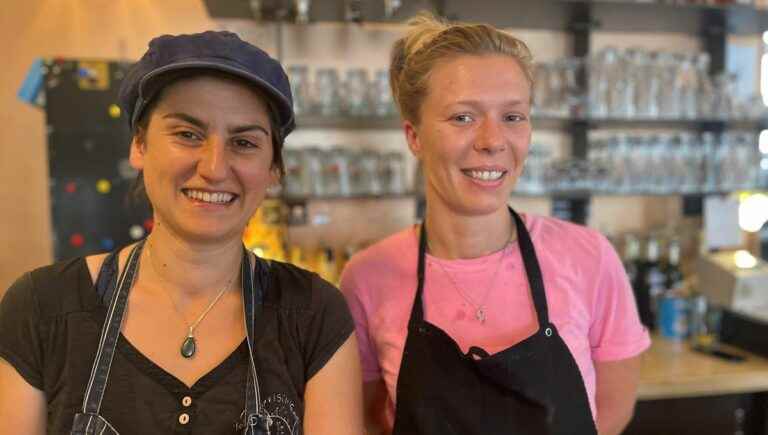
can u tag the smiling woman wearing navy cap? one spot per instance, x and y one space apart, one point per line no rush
186 331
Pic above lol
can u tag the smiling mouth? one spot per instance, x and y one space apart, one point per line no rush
491 175
209 197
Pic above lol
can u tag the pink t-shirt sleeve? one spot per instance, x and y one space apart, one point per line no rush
353 292
616 332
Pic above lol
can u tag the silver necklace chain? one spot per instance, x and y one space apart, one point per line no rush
191 328
480 313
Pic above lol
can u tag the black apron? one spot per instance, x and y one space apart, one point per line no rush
254 420
533 387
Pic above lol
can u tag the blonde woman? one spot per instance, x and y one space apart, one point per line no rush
482 320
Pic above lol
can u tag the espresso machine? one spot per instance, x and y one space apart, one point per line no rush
737 283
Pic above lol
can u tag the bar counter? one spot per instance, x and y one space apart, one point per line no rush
685 392
671 369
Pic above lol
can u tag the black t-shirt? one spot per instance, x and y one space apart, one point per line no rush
50 323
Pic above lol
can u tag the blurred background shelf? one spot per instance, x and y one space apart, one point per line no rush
348 122
560 194
539 121
290 200
539 14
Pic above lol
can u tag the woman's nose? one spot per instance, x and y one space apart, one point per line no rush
491 138
213 163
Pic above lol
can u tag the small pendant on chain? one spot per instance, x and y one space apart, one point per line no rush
188 347
480 314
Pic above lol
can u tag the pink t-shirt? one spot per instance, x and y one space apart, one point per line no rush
590 300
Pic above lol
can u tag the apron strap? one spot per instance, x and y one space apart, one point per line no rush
417 310
110 331
255 280
105 282
532 270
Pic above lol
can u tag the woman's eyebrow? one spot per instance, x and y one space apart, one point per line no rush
247 127
204 126
181 116
471 102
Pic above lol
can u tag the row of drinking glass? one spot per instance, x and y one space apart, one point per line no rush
352 9
653 164
338 171
702 2
640 84
680 163
326 94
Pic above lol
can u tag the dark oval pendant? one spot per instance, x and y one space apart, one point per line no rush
189 347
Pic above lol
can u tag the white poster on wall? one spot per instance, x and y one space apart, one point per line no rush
741 60
721 222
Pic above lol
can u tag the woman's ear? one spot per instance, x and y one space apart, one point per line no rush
138 150
412 137
274 180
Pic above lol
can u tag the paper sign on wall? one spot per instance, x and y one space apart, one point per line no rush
721 222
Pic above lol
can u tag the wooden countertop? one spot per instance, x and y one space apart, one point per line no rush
671 369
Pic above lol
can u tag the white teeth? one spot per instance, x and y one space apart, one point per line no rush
486 175
215 198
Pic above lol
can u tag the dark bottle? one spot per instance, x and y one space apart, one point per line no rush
632 265
631 257
673 276
650 283
653 272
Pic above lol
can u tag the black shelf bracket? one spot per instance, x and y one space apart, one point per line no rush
579 139
581 25
713 41
713 38
575 208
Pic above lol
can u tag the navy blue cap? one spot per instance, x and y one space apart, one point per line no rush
220 51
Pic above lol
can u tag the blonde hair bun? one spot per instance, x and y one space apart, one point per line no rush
430 40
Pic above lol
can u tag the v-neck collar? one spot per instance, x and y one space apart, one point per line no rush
238 358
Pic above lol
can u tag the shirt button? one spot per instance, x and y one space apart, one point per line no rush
184 418
186 401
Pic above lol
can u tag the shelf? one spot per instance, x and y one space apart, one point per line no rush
320 10
561 194
584 194
681 124
348 122
540 14
690 19
540 122
300 200
621 16
572 194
